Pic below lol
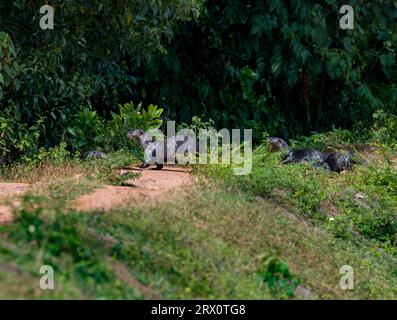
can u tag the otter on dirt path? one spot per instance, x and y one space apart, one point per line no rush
151 148
335 161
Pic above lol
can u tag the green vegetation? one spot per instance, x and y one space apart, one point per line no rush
88 131
355 205
281 68
87 61
210 246
284 68
278 278
282 232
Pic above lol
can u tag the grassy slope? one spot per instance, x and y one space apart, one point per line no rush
208 242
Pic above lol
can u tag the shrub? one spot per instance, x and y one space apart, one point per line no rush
128 118
197 124
283 67
87 131
55 155
90 132
278 278
89 59
18 139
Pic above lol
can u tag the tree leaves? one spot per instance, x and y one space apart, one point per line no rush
277 61
302 54
89 59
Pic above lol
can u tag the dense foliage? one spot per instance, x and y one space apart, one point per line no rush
285 67
282 66
87 61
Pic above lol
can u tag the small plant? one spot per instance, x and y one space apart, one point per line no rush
197 124
56 155
130 117
278 278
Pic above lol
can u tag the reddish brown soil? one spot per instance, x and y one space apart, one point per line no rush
7 190
151 186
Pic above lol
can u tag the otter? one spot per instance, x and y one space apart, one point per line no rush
339 161
150 148
334 161
315 157
277 144
94 154
138 135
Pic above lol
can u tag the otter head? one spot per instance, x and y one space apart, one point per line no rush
136 135
344 159
277 144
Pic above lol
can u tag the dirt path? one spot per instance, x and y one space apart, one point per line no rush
8 190
151 186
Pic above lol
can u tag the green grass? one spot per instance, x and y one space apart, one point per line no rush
354 205
211 245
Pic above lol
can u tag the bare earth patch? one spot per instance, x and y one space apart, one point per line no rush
151 186
8 190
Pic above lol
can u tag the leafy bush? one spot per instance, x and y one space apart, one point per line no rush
18 139
54 155
266 65
89 59
128 118
9 67
196 124
90 132
87 131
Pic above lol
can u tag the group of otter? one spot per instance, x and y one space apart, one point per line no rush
332 161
